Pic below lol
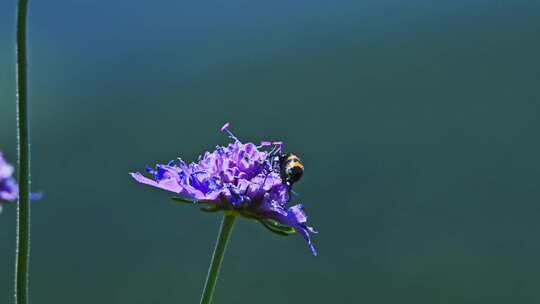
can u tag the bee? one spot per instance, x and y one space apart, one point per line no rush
290 168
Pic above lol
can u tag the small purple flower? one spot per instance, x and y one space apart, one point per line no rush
239 178
9 191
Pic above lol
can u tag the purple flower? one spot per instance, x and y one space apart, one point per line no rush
239 178
9 189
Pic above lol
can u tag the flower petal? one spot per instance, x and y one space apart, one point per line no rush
165 184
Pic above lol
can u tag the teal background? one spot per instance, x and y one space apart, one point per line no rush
417 121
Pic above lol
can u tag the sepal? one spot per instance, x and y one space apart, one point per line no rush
210 209
178 199
277 228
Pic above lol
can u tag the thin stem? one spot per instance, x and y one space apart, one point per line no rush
23 209
217 257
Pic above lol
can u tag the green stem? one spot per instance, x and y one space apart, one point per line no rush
217 257
23 209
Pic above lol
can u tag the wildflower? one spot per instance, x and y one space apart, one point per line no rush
9 191
238 178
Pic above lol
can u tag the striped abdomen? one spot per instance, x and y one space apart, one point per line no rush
291 168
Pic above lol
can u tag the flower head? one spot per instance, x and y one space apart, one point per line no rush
240 178
9 191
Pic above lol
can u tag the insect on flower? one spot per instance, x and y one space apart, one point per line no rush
250 180
288 165
291 168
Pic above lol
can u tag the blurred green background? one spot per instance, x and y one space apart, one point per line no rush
417 121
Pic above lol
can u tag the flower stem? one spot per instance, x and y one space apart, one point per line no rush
217 257
23 209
